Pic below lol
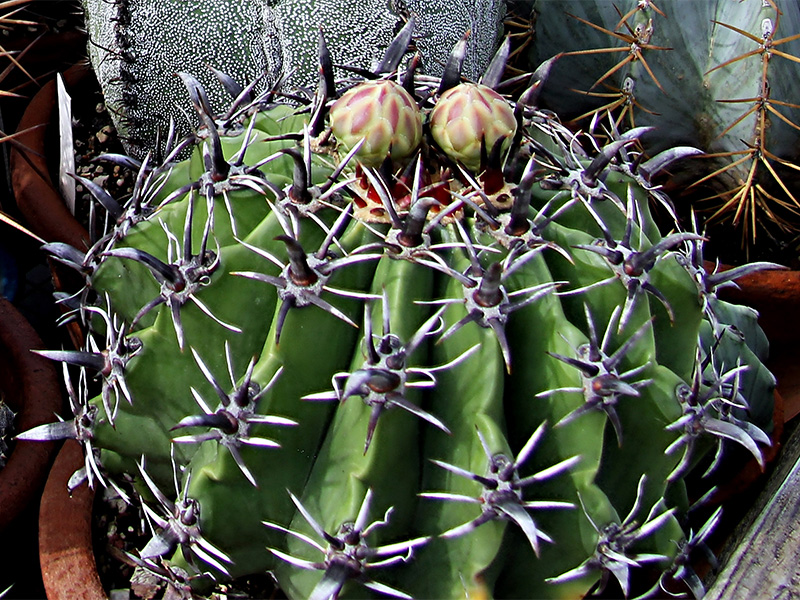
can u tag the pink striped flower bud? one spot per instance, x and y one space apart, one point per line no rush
384 115
467 114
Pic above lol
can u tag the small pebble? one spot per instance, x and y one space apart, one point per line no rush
103 135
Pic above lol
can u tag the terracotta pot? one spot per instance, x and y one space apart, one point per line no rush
38 198
69 571
66 555
768 529
29 384
776 297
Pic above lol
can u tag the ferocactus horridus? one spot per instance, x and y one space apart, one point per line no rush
260 311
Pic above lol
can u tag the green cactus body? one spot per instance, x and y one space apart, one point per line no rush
449 393
344 471
468 405
302 373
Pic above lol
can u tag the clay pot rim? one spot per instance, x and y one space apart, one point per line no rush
66 551
31 388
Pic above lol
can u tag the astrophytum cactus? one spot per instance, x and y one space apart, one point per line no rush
446 374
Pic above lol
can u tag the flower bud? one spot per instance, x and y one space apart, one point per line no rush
467 114
384 115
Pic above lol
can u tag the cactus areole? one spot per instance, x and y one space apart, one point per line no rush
476 369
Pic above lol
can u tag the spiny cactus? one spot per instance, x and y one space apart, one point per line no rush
716 76
448 373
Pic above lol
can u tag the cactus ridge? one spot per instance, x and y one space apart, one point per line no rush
523 312
612 556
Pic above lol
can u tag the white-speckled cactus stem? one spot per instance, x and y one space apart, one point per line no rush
138 46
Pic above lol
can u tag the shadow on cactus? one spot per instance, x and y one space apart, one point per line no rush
487 251
712 77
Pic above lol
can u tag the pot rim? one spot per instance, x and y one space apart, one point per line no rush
66 553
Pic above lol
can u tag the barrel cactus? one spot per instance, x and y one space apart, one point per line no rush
443 374
717 76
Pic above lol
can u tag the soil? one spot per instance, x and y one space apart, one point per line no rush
94 135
